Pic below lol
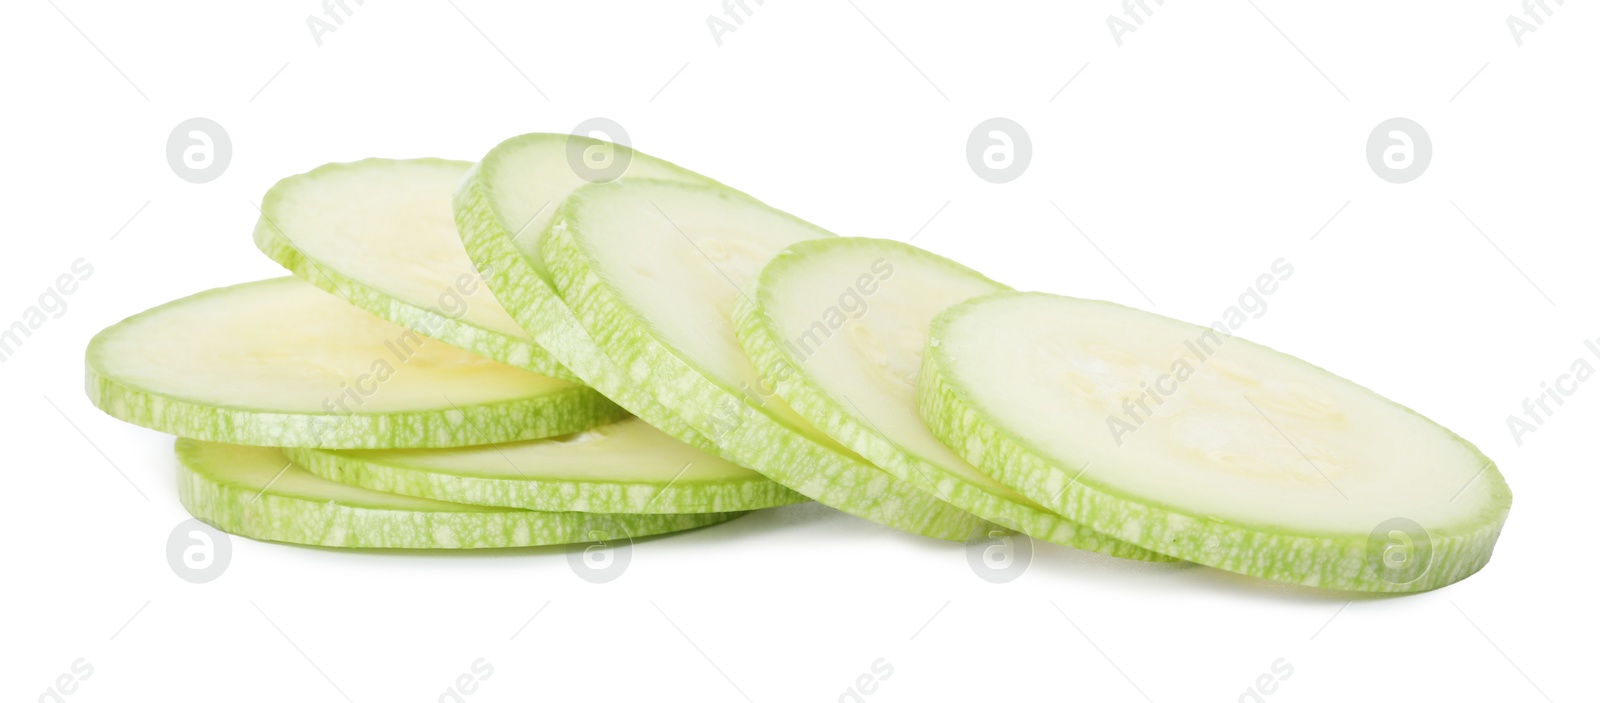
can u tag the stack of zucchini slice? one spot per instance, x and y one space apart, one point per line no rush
510 352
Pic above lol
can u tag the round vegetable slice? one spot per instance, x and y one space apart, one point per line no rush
1208 447
281 363
652 269
623 467
256 492
381 233
839 325
503 208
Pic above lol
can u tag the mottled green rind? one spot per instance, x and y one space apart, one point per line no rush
758 335
210 496
811 464
511 350
573 494
1339 562
463 425
535 305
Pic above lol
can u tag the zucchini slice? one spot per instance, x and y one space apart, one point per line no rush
256 492
381 233
623 467
503 208
1207 447
281 363
652 270
839 325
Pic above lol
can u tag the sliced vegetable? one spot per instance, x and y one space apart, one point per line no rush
839 326
256 492
623 467
652 269
503 209
381 233
1207 447
281 363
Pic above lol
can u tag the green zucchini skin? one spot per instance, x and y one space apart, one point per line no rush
228 487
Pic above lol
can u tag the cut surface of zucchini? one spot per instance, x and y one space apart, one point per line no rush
381 233
1207 447
257 492
281 363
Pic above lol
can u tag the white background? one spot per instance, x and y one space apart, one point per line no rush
1192 156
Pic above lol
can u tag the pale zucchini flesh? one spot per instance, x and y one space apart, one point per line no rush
1206 447
281 363
623 467
381 233
259 493
839 325
653 270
